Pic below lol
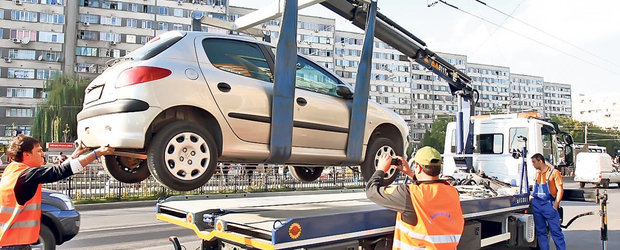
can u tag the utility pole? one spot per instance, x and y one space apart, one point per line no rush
586 134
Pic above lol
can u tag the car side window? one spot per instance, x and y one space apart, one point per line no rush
238 57
313 78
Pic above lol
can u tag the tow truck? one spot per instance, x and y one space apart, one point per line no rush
494 211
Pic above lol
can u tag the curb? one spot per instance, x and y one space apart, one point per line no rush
115 205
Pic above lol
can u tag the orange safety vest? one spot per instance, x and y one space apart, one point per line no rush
19 224
440 219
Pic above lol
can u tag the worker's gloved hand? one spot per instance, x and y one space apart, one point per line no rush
104 150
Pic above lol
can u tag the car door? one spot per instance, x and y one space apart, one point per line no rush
321 116
240 79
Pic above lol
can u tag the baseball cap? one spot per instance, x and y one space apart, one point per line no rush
427 156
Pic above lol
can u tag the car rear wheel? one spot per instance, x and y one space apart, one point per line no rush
377 147
306 174
126 169
47 241
182 156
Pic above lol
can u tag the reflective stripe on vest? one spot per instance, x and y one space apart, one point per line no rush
435 239
19 224
397 244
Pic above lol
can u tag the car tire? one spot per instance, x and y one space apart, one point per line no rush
47 240
306 174
605 183
182 156
582 184
376 148
126 169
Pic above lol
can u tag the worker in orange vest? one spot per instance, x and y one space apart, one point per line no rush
20 188
429 214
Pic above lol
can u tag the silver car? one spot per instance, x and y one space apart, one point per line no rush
186 100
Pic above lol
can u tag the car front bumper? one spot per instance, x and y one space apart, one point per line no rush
69 221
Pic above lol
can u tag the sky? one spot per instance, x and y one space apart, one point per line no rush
564 41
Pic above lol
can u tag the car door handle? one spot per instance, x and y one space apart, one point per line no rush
224 87
301 101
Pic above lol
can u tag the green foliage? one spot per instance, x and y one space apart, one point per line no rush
596 135
435 137
56 116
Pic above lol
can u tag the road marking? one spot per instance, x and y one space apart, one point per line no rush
123 227
186 245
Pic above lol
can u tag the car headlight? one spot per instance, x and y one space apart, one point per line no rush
65 198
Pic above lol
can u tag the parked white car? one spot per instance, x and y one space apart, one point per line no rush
595 168
187 100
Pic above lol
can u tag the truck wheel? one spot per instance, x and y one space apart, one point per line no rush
47 240
182 156
582 184
605 183
126 169
376 148
306 174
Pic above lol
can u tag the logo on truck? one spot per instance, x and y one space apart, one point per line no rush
294 231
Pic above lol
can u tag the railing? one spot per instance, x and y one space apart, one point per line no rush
95 184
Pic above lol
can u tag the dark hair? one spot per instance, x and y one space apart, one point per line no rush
19 145
432 170
539 157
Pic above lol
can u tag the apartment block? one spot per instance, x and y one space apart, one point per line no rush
602 110
493 85
526 93
557 99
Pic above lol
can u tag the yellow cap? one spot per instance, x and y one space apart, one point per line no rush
427 156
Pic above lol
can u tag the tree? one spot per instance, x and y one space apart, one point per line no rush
596 135
435 137
55 118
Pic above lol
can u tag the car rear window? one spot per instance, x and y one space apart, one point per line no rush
156 46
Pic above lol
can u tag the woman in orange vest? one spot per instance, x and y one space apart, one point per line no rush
20 188
429 214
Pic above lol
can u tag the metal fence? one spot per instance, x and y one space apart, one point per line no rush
95 184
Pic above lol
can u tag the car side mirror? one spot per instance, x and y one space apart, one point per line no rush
344 91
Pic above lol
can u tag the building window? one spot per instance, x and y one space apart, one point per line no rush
110 37
53 2
92 19
89 3
21 15
22 54
130 38
20 92
177 26
16 130
85 51
132 23
115 21
163 11
86 68
51 37
146 24
21 73
52 18
177 12
45 74
18 112
88 35
21 34
162 26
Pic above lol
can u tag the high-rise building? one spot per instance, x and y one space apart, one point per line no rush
602 110
526 93
557 99
493 85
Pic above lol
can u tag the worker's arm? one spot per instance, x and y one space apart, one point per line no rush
559 185
396 198
28 181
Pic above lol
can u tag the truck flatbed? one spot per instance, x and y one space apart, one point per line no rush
303 219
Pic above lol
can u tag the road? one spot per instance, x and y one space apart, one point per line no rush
137 228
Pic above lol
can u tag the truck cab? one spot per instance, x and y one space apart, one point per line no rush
496 139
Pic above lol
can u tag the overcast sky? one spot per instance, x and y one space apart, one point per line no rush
573 42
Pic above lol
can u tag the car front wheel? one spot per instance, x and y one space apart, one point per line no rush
306 174
182 156
126 169
376 148
47 241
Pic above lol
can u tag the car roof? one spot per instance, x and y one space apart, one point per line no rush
251 39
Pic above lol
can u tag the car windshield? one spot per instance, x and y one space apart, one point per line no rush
156 45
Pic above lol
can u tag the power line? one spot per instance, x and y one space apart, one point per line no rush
549 34
529 38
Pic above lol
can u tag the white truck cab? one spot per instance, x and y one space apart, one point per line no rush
497 137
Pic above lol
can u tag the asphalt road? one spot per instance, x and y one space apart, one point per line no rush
137 228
